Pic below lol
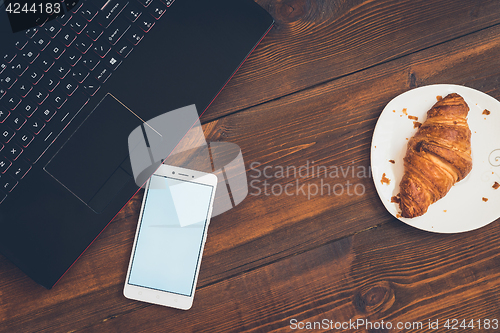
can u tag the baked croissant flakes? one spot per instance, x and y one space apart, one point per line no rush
438 156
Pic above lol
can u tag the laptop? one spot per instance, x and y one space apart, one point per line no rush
74 88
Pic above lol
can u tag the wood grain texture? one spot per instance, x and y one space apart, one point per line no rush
315 41
380 274
278 257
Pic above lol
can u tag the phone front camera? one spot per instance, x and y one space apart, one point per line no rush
173 172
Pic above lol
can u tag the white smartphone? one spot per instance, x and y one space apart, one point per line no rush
170 236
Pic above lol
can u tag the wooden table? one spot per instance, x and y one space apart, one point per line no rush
311 91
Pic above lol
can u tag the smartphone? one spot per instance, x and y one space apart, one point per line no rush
170 236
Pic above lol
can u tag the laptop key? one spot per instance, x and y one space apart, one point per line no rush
27 107
7 78
145 3
31 32
52 29
4 164
73 5
49 82
4 113
22 88
41 42
45 62
168 3
20 44
34 74
62 70
34 125
112 62
30 54
72 56
56 49
64 19
116 30
123 48
3 66
19 169
79 73
94 31
78 23
146 23
38 95
64 116
6 133
101 48
12 101
16 122
102 73
157 10
12 151
134 35
110 12
9 56
89 12
67 37
46 113
19 67
69 85
2 92
132 13
91 86
83 43
58 97
7 183
91 60
24 138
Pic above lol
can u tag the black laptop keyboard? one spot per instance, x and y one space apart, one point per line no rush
53 70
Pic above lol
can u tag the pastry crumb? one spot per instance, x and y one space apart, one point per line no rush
385 180
439 97
398 215
394 111
404 112
485 199
395 199
416 124
445 210
392 161
486 112
496 186
412 117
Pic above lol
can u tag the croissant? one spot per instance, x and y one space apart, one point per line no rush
437 156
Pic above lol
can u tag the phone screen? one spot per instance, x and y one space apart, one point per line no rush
170 235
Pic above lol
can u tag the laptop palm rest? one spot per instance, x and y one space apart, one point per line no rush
89 163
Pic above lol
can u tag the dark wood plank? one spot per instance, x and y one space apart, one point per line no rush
380 274
317 41
330 124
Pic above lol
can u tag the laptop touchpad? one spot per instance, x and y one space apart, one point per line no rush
88 164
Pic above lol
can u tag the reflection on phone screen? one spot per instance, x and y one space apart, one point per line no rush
168 246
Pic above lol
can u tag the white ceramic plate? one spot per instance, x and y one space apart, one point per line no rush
463 208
